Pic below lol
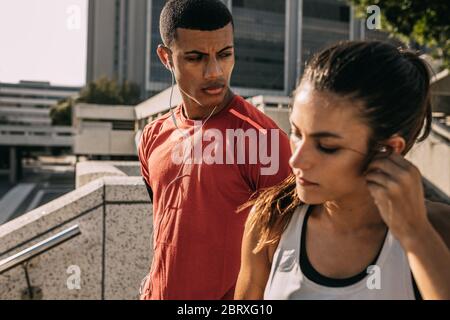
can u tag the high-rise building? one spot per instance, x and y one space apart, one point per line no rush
273 40
117 31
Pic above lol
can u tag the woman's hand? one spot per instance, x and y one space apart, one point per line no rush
396 187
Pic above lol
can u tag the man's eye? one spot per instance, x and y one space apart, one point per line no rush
194 58
226 54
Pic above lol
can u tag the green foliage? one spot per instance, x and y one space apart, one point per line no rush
425 22
101 91
61 113
106 91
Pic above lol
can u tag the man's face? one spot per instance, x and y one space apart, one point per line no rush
204 61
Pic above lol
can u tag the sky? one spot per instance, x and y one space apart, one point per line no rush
43 40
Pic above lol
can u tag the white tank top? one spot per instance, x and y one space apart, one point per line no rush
389 279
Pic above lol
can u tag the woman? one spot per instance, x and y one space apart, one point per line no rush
352 222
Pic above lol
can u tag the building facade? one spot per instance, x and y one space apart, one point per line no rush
25 122
273 40
117 40
29 102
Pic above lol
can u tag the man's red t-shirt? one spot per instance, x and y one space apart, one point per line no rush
197 231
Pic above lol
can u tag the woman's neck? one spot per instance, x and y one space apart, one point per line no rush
350 214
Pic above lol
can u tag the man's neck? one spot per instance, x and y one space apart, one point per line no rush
193 111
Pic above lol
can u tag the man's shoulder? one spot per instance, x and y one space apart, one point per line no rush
154 126
244 109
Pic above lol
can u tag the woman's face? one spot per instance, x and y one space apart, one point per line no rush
329 144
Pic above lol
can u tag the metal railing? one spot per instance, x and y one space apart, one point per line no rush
39 248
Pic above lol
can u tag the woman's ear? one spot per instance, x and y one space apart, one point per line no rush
396 143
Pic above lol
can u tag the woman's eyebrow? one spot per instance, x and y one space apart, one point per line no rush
320 134
325 134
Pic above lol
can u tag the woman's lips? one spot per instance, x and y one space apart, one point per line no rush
305 183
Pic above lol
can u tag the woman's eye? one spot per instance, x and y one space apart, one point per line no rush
327 150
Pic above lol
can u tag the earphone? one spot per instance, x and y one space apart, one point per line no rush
169 66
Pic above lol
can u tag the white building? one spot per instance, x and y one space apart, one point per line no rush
25 121
29 102
104 131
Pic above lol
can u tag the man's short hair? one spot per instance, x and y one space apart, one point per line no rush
204 15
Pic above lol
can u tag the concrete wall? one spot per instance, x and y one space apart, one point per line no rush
95 134
105 142
275 107
104 112
113 251
432 158
280 116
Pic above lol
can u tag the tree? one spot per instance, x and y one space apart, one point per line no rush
101 91
130 93
425 23
61 113
108 91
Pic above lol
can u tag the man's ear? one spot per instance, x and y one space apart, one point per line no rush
164 56
397 143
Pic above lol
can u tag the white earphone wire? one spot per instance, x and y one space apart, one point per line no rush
184 158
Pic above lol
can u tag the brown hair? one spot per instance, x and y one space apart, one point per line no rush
394 85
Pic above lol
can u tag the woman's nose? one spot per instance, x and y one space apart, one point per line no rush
301 157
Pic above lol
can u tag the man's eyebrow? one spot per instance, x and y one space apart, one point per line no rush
320 134
226 48
196 52
206 54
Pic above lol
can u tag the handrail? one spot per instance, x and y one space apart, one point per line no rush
39 248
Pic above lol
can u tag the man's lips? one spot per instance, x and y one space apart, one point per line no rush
214 90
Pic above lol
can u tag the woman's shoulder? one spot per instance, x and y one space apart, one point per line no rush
439 216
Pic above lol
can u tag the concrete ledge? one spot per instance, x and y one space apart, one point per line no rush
113 251
55 212
91 170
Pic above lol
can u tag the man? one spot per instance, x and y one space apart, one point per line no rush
205 160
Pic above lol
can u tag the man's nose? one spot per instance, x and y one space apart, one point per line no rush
213 69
